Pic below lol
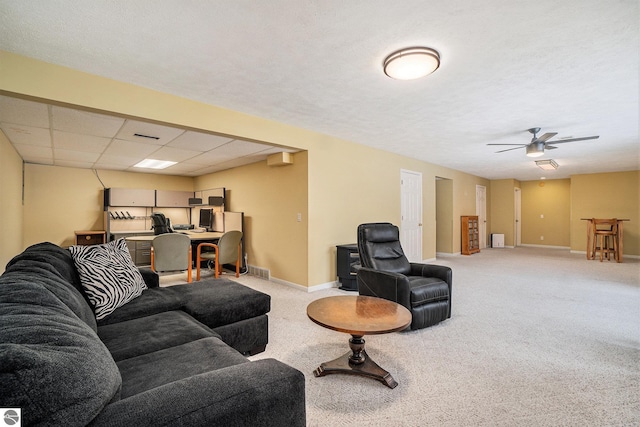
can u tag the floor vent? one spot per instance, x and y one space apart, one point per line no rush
262 273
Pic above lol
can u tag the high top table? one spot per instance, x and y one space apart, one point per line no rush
358 316
590 238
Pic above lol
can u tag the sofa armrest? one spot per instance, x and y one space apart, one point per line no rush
384 284
150 277
261 393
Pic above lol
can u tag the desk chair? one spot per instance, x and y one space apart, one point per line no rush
605 238
228 250
171 252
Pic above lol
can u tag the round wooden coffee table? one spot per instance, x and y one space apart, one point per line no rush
358 316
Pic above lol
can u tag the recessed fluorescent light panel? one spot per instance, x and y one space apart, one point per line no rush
154 164
548 165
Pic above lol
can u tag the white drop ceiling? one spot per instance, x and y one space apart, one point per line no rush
570 67
54 135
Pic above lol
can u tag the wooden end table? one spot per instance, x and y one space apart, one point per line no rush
358 316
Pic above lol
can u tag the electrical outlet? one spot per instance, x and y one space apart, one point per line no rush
299 217
541 237
541 215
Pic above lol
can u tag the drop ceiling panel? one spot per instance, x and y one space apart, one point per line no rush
21 112
76 156
198 141
173 154
79 142
84 122
164 134
129 149
34 153
19 134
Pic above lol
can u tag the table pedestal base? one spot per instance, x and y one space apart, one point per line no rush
356 362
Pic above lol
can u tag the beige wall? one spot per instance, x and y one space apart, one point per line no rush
11 210
444 215
271 199
503 209
606 195
546 212
59 200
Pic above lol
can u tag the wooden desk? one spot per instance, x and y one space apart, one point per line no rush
590 237
208 236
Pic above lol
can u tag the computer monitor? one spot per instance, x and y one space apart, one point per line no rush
206 219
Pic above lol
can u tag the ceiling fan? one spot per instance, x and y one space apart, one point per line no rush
537 145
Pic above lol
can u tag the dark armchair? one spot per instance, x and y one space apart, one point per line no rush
385 272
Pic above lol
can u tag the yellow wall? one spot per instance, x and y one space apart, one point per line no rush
606 195
11 210
550 199
503 209
59 200
271 198
444 216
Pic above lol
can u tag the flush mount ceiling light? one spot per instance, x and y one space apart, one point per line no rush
154 164
411 63
547 165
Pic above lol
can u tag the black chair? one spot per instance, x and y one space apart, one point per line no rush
385 272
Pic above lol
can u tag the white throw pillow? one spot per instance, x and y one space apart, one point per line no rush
108 275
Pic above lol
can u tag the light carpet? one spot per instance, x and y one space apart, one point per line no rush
538 337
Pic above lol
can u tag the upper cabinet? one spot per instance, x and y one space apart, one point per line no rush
173 199
129 197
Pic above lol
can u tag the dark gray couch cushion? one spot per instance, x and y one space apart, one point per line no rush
152 301
53 267
152 370
152 333
230 303
52 364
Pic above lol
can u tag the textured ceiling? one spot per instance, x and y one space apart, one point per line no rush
570 67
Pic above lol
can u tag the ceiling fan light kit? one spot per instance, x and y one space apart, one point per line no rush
547 165
535 149
411 63
537 145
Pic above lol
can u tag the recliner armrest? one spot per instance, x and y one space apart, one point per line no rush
431 270
384 284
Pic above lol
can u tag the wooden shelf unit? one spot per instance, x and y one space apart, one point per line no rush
470 232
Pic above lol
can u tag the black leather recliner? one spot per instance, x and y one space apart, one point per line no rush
385 272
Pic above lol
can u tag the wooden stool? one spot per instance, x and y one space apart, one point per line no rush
605 238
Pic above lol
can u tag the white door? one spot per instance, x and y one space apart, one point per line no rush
517 233
481 211
411 214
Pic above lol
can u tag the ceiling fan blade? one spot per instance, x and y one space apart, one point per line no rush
561 141
521 145
508 149
545 137
549 147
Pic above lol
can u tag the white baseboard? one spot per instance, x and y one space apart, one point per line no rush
546 246
314 288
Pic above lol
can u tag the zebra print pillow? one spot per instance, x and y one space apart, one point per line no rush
108 275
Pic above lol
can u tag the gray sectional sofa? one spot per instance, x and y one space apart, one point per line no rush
171 356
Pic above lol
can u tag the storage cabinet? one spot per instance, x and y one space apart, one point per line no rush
173 199
129 197
470 234
347 258
90 237
140 251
